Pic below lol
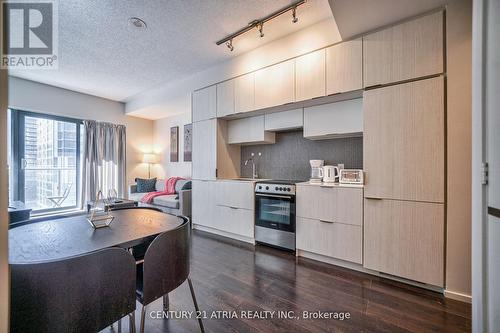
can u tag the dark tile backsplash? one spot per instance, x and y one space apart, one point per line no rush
289 157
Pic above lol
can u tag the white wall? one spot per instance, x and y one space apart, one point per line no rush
165 168
175 97
32 96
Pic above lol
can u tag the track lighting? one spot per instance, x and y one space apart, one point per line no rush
259 24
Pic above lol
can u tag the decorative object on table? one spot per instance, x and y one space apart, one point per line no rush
117 204
99 216
174 144
112 196
149 159
188 142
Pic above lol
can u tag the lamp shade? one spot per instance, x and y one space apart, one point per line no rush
149 158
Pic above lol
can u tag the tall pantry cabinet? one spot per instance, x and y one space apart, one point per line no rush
404 150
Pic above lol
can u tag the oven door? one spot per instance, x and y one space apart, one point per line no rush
275 211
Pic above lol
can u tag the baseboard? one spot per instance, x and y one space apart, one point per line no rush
458 296
224 233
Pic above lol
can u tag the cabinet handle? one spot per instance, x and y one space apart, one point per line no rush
324 221
232 207
372 198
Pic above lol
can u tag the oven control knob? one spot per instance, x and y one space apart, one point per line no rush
281 188
267 187
276 188
288 189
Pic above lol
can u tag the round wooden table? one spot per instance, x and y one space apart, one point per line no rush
72 236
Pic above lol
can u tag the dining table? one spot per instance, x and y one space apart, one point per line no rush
62 238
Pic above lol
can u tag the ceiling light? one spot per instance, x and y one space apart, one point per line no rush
229 45
294 15
137 23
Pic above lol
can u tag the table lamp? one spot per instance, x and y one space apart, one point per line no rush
149 159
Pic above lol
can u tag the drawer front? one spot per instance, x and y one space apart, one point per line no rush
235 194
316 202
349 206
234 220
336 240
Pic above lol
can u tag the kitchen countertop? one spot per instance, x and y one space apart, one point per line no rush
330 185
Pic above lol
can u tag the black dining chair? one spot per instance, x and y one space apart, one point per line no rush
82 294
166 266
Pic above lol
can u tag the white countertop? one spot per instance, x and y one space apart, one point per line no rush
330 185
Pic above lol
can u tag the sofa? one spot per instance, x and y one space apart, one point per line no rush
175 204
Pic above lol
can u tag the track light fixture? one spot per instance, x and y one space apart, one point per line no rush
294 15
259 24
229 45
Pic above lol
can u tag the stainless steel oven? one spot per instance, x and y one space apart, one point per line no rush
275 214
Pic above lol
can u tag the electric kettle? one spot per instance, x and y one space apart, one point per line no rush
330 173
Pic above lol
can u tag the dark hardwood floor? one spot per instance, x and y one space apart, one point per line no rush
233 276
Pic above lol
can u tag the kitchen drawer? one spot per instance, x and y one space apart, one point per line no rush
234 220
331 204
238 194
336 240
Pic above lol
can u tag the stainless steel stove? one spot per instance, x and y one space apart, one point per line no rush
275 213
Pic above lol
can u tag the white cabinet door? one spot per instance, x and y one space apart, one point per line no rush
280 121
244 93
344 67
202 203
343 118
238 194
235 220
275 85
225 98
204 104
310 75
248 130
205 149
336 240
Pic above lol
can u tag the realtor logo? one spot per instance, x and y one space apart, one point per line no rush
30 34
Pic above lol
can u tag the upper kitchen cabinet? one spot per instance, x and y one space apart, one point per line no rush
310 75
344 67
225 98
244 93
404 141
204 104
285 120
248 131
332 120
405 51
275 85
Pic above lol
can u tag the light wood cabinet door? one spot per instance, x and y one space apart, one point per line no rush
225 98
285 120
344 67
336 240
404 141
310 79
405 51
204 104
275 85
244 93
235 220
204 163
405 239
203 206
349 206
248 130
344 118
238 194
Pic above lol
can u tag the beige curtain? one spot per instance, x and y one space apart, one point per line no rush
104 157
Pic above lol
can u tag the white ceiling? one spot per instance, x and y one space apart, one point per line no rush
101 54
355 17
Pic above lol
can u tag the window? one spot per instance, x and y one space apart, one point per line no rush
45 161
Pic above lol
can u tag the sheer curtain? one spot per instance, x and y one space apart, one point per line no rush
103 159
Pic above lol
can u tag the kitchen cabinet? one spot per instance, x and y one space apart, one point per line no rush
234 220
203 205
248 131
225 98
244 93
336 240
344 118
405 239
204 157
406 51
344 67
404 141
280 121
236 194
275 85
204 104
310 75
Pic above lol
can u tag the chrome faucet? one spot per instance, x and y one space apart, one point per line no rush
254 171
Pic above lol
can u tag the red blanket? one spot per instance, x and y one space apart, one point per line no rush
169 189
